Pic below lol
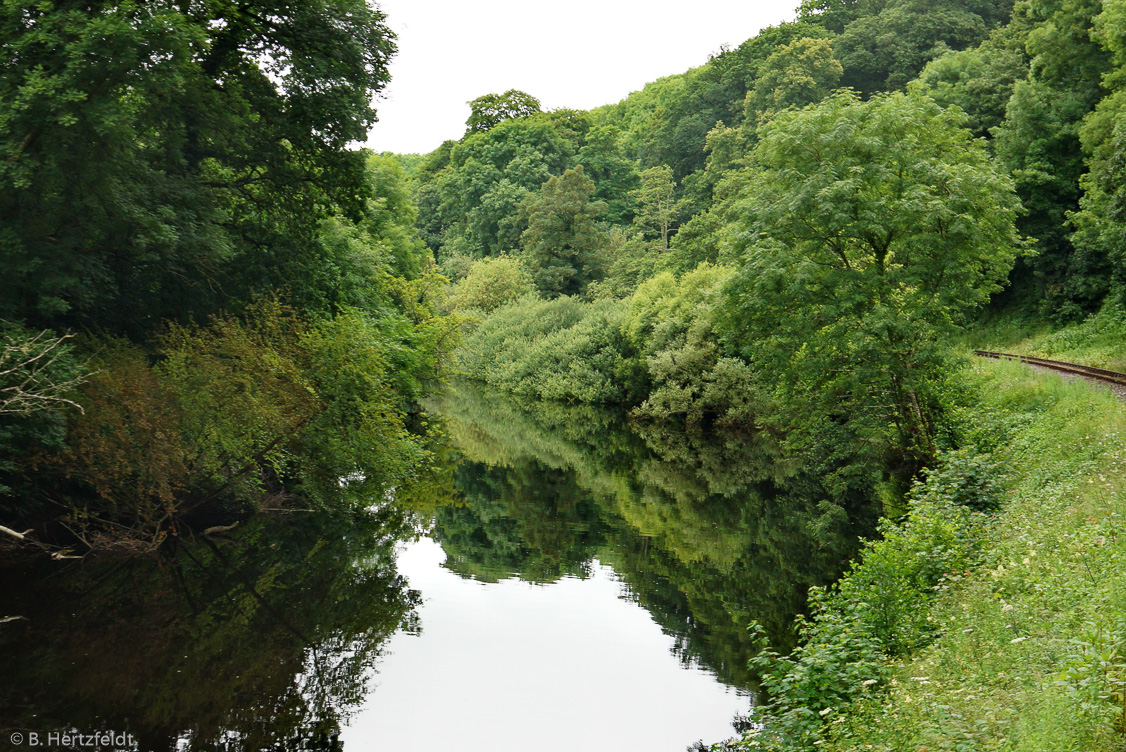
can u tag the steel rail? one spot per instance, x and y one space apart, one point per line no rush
1101 374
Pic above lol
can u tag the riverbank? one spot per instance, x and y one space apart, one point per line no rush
1030 640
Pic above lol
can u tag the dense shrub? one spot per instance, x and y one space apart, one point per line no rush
880 609
492 283
656 350
230 416
671 324
563 349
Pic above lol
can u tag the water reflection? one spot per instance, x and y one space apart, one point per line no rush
706 532
515 665
271 639
263 642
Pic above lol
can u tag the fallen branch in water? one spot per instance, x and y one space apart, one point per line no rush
18 536
56 552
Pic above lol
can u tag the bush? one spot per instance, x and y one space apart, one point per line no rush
127 464
671 323
966 478
880 609
492 283
563 349
233 415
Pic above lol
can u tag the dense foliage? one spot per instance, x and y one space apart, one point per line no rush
159 158
881 223
249 306
860 234
978 631
1037 80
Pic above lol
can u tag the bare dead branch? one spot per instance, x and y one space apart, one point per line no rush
29 381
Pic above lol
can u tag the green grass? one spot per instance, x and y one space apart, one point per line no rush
1032 652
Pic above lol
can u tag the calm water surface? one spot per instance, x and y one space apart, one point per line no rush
566 666
564 581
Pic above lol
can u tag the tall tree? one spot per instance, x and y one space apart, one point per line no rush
562 242
798 74
613 173
981 80
656 203
1039 142
1101 223
469 204
868 231
887 44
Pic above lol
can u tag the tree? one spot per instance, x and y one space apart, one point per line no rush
834 15
158 159
384 242
798 74
1101 223
656 203
492 283
614 175
867 231
888 45
469 203
488 111
698 239
980 80
562 242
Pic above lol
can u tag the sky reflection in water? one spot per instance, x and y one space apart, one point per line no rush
565 666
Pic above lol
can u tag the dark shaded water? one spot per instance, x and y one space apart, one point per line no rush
585 584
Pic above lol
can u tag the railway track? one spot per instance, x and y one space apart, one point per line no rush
1099 374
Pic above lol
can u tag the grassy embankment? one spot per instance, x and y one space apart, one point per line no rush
1033 648
1024 647
1100 340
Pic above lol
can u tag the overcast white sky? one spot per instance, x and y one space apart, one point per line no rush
573 53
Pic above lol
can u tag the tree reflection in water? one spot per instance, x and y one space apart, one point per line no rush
707 531
265 641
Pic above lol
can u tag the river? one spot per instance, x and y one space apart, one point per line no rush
564 579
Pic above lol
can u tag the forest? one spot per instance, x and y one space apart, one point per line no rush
214 305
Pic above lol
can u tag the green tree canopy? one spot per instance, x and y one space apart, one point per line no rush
613 173
889 43
157 159
980 80
868 230
469 204
1101 223
656 203
491 109
493 282
1039 143
798 74
562 242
